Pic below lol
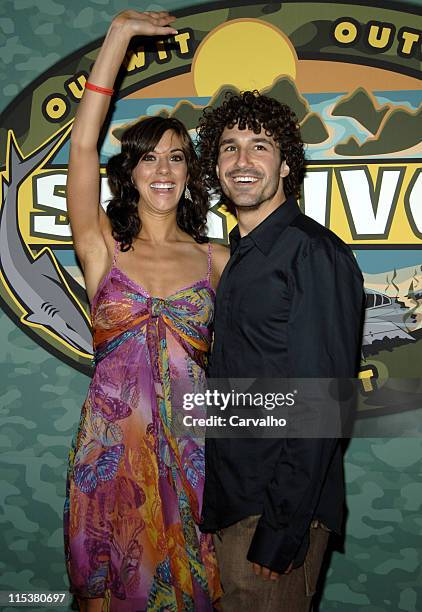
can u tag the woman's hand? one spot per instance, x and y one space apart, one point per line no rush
149 23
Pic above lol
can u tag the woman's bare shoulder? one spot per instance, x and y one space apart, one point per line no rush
220 257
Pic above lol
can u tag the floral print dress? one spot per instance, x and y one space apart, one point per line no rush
134 490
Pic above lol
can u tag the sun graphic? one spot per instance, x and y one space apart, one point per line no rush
246 53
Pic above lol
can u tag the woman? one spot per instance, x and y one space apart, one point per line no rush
134 490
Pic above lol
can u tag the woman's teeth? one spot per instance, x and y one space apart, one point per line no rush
162 186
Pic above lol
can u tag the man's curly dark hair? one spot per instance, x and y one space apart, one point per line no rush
253 111
139 139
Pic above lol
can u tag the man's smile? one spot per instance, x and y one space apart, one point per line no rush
246 179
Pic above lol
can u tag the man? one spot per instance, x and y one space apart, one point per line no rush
289 305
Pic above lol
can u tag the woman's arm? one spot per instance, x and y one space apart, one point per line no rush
220 257
90 227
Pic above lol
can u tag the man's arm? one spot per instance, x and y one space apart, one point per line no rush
324 342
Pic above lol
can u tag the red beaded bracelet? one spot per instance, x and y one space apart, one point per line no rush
102 90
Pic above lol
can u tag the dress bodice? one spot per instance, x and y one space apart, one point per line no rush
123 309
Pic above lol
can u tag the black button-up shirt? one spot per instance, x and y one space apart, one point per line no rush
289 305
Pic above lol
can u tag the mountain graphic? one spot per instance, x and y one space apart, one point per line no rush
189 113
284 90
361 106
400 129
313 130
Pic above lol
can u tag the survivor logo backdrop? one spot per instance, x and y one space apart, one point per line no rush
350 72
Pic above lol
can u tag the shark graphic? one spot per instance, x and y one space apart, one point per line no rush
37 283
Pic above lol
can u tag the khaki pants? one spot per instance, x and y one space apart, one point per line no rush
243 590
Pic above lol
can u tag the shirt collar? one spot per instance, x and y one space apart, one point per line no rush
268 231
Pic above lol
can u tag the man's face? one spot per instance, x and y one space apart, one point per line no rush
250 169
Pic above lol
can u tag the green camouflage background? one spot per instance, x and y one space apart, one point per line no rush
40 398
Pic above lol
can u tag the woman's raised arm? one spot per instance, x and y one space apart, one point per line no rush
87 219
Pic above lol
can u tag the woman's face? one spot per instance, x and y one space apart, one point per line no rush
161 175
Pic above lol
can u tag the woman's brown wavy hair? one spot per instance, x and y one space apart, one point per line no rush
253 111
122 210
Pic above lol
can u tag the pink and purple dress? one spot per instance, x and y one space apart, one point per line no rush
134 490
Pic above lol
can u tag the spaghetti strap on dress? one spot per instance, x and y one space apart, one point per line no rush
115 253
209 263
134 490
